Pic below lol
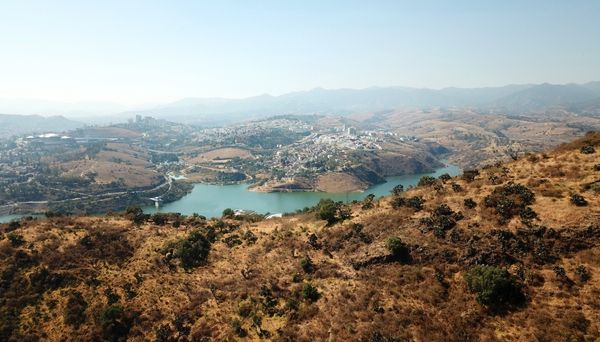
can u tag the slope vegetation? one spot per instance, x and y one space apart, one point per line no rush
508 252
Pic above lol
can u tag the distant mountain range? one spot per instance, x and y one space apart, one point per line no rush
512 99
516 99
25 124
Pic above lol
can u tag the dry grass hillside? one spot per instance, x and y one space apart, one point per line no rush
404 267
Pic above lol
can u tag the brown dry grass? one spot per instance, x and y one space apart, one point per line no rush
382 299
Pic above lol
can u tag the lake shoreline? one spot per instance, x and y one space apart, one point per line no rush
210 199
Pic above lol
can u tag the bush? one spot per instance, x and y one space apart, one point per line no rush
310 293
160 219
15 239
509 200
193 251
415 202
583 273
469 175
398 190
426 180
368 202
578 200
307 265
441 219
75 310
398 249
228 213
332 212
456 187
444 177
495 287
111 296
237 328
588 149
470 203
527 214
115 323
13 225
135 214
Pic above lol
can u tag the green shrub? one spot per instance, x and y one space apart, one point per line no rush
75 310
193 251
310 293
115 323
228 213
398 249
588 149
368 202
15 239
469 175
332 211
509 200
583 273
163 333
426 180
238 330
527 214
136 214
307 265
397 190
111 296
578 200
456 187
470 203
495 287
160 219
444 177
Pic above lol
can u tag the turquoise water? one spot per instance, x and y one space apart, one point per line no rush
8 218
210 200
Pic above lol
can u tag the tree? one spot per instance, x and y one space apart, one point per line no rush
15 239
193 251
445 177
310 293
326 210
588 149
307 265
397 190
398 249
426 180
495 287
228 213
75 310
578 200
332 211
115 323
368 202
470 203
135 214
469 175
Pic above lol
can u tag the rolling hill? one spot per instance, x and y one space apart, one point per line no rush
512 98
508 252
12 125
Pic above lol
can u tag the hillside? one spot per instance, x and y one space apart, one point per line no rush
404 267
13 125
523 98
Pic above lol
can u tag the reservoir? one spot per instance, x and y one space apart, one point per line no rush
210 200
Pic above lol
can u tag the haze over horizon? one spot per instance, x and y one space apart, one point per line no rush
138 52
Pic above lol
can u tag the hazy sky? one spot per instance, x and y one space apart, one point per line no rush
154 51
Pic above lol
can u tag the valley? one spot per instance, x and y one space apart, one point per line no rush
97 169
495 253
